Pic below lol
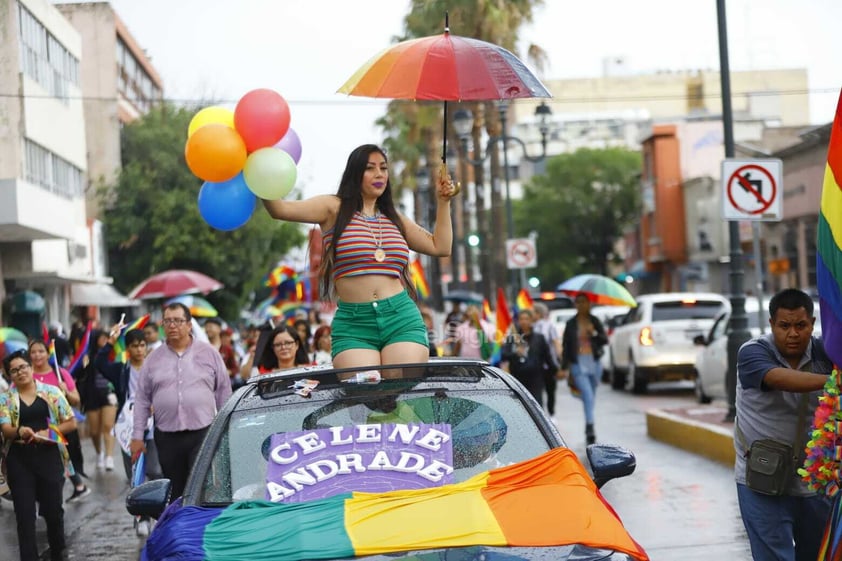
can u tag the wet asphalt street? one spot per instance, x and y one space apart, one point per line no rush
677 505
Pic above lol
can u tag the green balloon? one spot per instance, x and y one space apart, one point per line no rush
270 173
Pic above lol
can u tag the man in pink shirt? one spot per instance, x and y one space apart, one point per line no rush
185 383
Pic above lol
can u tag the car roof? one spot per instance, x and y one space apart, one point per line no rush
671 296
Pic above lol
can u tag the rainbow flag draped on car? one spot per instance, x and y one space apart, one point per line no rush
488 509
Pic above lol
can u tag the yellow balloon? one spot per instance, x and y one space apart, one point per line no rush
211 116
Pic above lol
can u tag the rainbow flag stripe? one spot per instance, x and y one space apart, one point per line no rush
829 255
524 300
120 353
490 511
504 323
416 270
82 350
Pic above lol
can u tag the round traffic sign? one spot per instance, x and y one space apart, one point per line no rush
751 189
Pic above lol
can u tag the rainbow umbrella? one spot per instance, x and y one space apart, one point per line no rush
445 68
599 289
11 340
199 307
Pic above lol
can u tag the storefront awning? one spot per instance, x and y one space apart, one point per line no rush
98 294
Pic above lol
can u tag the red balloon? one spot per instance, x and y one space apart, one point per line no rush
262 118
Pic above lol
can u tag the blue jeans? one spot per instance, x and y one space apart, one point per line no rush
783 528
586 373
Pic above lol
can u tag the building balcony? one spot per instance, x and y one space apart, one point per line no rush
30 212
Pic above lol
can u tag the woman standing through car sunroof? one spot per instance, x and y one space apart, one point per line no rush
366 258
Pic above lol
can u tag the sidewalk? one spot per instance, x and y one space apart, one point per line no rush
699 429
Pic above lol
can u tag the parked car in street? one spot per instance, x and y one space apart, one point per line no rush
712 355
426 461
654 342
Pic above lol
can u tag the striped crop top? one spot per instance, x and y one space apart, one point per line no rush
356 248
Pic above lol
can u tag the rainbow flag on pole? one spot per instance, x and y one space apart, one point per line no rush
416 270
119 353
829 255
491 509
82 350
524 300
504 323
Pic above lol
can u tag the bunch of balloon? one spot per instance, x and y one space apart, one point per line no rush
242 154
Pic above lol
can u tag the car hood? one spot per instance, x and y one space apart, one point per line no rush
574 552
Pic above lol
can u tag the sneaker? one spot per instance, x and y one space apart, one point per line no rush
100 461
142 528
109 463
79 493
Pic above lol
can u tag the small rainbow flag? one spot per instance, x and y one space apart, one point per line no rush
486 310
416 270
524 300
54 434
504 323
119 353
82 350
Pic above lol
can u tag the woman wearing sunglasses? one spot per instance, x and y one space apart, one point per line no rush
35 464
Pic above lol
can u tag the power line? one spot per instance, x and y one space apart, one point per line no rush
372 101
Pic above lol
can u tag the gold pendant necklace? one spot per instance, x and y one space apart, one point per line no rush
379 252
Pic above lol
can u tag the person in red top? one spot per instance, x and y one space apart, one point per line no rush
366 256
213 329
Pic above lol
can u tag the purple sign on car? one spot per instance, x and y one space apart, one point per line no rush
314 464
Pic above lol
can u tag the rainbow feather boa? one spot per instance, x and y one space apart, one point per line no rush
824 449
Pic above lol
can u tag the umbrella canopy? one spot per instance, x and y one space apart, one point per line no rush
11 340
445 68
199 307
599 290
174 283
464 296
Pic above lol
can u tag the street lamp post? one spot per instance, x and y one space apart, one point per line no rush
463 123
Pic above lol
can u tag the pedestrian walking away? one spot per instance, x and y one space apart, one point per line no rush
528 353
185 383
30 415
124 376
99 403
545 327
43 372
582 346
366 260
780 376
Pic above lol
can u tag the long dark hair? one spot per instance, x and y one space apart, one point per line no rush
269 361
350 202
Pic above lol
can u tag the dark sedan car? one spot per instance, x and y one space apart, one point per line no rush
452 459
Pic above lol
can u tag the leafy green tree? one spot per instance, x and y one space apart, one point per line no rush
152 219
579 209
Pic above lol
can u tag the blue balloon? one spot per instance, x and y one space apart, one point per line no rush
226 205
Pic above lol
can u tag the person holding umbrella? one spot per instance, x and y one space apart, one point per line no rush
366 260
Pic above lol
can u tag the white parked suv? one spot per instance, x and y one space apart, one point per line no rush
654 342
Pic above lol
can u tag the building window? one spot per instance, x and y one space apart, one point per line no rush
43 58
133 81
51 171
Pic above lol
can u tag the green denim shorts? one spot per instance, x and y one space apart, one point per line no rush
377 324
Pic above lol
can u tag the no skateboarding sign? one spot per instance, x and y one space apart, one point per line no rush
751 190
520 254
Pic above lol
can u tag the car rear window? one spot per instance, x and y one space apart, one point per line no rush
692 309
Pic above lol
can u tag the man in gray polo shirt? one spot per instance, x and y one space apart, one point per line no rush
774 371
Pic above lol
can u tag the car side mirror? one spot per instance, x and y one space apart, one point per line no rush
150 498
700 340
610 462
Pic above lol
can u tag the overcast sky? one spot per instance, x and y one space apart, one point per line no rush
306 49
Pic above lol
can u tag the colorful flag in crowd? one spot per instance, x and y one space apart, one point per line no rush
822 463
45 333
54 434
486 310
85 342
359 524
419 278
52 359
504 323
120 353
524 300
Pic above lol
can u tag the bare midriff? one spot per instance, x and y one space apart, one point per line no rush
366 288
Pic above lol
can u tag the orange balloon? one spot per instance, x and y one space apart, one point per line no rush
215 153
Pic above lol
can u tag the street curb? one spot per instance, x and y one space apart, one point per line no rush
710 441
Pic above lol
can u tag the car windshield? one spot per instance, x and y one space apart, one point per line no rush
349 435
686 309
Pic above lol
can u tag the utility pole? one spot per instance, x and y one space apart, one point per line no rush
739 332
